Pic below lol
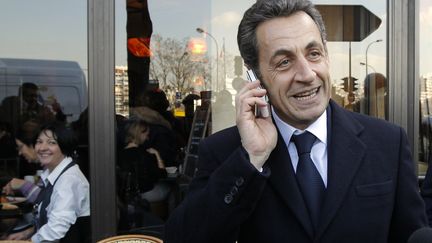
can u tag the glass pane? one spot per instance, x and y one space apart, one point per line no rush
43 79
193 66
425 136
163 72
357 47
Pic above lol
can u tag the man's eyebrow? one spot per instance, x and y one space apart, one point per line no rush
287 52
282 52
313 44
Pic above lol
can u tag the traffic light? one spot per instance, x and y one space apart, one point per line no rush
355 85
345 84
350 84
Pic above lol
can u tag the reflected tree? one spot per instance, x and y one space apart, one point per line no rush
173 65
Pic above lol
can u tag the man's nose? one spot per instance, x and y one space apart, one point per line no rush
304 71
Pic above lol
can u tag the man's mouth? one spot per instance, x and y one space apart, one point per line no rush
307 95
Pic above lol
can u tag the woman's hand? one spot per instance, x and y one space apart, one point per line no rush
22 235
161 163
14 185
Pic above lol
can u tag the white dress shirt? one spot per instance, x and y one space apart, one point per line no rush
319 149
70 199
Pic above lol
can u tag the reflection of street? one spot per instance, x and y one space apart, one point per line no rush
223 111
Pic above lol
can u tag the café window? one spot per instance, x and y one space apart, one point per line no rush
165 64
425 134
175 58
357 49
43 79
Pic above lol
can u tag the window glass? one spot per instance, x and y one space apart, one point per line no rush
43 79
357 49
425 137
166 73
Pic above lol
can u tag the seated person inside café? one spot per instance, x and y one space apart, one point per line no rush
27 105
63 205
7 143
24 139
166 133
138 169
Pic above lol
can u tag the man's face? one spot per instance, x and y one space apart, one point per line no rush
294 67
30 96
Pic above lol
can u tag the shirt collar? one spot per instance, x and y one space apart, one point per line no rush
317 128
52 177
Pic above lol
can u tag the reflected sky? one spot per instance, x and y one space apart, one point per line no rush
57 29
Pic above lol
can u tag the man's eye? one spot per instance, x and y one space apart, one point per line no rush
314 55
284 63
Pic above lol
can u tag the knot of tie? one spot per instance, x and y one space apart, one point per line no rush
304 142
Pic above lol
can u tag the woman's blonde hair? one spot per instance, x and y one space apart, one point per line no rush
133 129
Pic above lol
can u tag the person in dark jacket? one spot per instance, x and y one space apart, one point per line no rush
307 170
426 192
138 170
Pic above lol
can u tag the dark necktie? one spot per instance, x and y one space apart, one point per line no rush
309 180
44 199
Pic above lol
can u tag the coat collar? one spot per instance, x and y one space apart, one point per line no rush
345 155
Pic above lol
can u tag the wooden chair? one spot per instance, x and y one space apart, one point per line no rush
129 238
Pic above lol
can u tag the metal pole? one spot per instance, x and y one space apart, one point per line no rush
367 49
199 30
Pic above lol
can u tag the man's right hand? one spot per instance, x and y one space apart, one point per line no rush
258 134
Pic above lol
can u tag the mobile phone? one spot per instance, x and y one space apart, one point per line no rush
260 111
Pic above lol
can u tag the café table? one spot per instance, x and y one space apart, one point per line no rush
11 219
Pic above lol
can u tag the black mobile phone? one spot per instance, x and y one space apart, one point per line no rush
261 111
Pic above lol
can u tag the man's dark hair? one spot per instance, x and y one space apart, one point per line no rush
27 86
28 132
264 10
65 137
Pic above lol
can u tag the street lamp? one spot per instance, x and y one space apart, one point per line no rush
368 65
367 49
200 30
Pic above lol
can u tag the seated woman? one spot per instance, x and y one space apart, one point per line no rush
64 203
138 169
24 144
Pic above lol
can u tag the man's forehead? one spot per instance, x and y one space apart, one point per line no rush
298 26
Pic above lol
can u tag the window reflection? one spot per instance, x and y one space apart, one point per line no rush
196 62
161 71
356 44
425 135
43 79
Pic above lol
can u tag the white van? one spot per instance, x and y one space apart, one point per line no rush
61 80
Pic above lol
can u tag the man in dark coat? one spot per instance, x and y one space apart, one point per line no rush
257 183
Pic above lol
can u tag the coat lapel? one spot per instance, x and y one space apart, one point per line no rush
345 154
284 182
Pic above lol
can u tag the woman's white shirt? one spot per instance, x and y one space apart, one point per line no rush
70 199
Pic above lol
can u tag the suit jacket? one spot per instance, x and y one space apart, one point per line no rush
371 196
426 192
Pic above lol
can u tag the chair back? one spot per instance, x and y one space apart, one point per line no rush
129 238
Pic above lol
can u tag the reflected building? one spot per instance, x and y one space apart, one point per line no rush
121 91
